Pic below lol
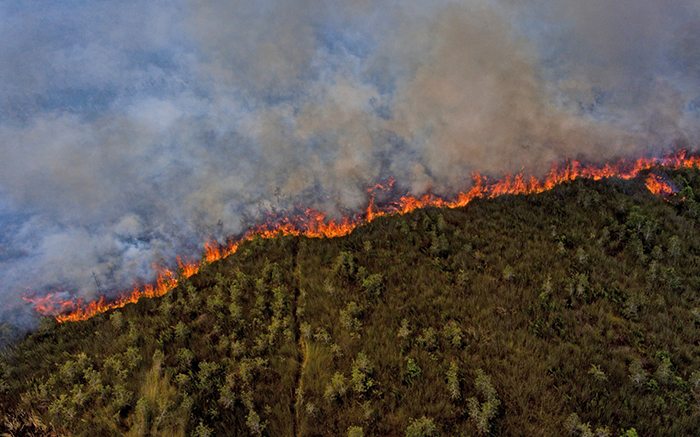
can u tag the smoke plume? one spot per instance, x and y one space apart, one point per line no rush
132 132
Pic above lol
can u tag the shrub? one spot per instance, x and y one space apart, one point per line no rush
336 350
453 382
350 317
305 331
579 429
508 273
694 381
69 371
144 416
117 320
336 389
453 333
203 431
361 371
185 357
637 373
114 368
311 409
218 310
440 247
581 256
413 371
328 286
132 357
236 311
344 266
93 379
273 274
674 248
183 381
158 359
664 372
482 412
428 339
182 332
404 330
356 431
62 410
121 397
207 374
280 302
227 396
423 427
374 285
322 335
597 373
254 424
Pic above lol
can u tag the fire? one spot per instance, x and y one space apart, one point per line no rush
658 186
312 223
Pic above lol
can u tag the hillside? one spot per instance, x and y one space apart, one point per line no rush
558 313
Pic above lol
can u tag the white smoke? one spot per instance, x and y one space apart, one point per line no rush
133 132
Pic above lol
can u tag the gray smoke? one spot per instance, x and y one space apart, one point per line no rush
131 132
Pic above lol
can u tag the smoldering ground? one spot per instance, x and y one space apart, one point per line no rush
132 132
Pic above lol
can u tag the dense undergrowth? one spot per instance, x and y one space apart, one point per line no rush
569 312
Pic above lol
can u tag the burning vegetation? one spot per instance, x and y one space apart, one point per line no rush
569 312
312 223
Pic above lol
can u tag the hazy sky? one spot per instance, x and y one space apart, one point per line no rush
132 131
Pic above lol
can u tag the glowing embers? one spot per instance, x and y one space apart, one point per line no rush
312 223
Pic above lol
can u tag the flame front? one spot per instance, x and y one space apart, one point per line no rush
313 223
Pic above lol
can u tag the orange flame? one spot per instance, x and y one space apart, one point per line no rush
658 186
312 223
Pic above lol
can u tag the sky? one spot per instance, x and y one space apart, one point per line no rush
134 131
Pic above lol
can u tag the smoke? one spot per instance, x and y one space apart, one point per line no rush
131 132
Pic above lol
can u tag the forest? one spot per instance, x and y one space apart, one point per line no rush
572 312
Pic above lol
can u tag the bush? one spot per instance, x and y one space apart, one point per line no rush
453 382
423 427
453 333
336 389
413 371
373 285
578 429
361 371
182 332
664 372
350 317
254 424
428 339
344 266
203 431
356 431
637 373
404 330
597 373
482 412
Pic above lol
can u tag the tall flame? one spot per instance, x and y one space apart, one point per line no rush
312 223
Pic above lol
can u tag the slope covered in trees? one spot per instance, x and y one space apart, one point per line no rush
563 313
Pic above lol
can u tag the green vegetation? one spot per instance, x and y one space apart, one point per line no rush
572 312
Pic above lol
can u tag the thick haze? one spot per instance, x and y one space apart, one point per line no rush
132 131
